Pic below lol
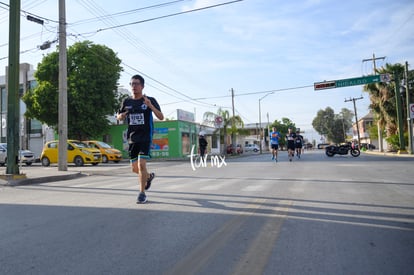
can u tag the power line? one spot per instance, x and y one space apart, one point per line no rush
25 13
169 15
125 12
260 92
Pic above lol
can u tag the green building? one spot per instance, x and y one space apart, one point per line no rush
172 139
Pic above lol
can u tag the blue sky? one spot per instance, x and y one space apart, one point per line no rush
192 61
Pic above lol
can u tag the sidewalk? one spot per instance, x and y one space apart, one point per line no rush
34 176
390 154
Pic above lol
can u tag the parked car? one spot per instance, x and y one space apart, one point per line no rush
251 147
25 156
78 153
238 149
108 152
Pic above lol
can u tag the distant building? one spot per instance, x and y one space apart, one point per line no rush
32 132
364 124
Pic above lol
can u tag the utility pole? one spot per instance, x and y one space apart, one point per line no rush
232 121
261 138
380 139
356 118
408 101
63 90
13 107
373 61
399 114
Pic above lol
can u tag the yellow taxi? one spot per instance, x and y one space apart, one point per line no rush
78 153
108 152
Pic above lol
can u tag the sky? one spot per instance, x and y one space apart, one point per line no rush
193 53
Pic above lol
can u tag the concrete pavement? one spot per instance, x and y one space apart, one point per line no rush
49 174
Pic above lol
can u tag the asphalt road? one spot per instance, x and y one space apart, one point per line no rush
243 215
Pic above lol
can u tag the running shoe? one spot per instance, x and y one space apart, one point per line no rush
149 180
273 157
142 198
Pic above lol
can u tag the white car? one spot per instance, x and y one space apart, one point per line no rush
251 147
25 156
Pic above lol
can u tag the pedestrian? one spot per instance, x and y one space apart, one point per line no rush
202 143
137 110
274 142
290 138
298 144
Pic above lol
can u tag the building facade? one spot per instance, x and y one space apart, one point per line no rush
32 133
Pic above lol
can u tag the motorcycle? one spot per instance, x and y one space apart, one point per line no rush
342 149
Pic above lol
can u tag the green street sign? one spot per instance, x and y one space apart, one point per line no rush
352 81
357 81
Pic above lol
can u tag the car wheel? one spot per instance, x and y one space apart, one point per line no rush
78 161
104 159
45 161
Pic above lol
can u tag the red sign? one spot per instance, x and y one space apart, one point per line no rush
324 85
218 121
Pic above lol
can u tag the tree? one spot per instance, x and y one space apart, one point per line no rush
230 124
333 126
93 73
383 101
345 117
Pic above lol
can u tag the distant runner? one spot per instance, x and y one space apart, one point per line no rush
290 138
274 142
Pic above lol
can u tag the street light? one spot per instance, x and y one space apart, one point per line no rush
260 121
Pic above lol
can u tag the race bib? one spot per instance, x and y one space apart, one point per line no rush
136 119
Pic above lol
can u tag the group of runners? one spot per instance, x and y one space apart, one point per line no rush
294 143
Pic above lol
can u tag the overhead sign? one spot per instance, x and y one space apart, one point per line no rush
357 81
324 85
351 81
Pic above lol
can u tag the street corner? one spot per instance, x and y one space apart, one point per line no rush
27 179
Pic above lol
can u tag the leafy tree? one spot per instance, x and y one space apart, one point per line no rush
331 125
93 72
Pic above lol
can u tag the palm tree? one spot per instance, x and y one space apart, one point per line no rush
383 103
229 123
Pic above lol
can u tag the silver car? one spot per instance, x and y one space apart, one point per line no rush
25 156
251 147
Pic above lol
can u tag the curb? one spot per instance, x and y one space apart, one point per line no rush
28 181
388 154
